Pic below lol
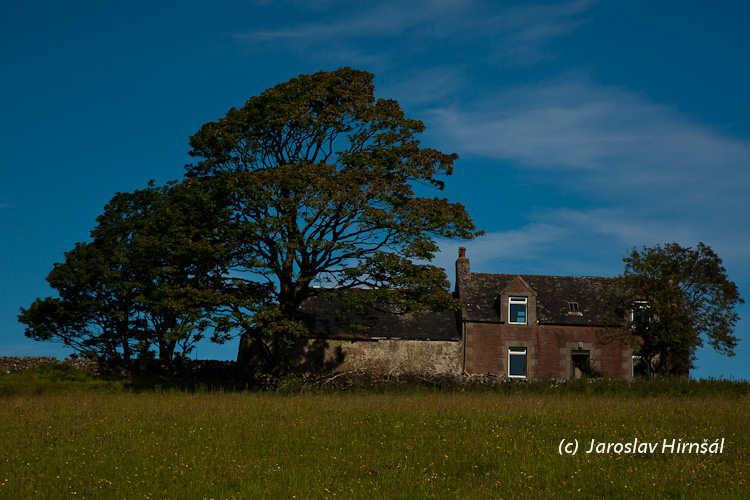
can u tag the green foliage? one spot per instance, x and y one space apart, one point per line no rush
147 280
669 301
311 183
321 184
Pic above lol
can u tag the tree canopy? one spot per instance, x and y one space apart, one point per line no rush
324 188
146 280
669 301
312 187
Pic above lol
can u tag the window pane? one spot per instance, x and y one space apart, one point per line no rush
517 313
517 362
640 316
640 312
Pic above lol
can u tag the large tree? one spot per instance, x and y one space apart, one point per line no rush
149 278
669 301
326 187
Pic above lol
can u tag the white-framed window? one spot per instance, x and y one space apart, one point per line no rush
517 362
640 313
641 368
518 310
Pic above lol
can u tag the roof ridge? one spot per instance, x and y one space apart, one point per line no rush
543 275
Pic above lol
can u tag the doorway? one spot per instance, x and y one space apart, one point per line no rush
580 363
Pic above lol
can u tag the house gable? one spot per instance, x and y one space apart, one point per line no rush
558 338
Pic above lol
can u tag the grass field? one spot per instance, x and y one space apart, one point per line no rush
408 444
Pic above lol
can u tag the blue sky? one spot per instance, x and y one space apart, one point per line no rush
584 128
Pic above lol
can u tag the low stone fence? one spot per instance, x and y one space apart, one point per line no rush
176 368
10 364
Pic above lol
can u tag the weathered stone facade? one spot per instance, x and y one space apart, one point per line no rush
550 350
554 334
386 356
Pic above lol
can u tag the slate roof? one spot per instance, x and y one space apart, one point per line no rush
315 313
480 294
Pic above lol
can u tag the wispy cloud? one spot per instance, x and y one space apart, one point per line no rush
586 242
527 29
514 30
615 140
523 243
384 20
505 251
647 173
624 226
426 86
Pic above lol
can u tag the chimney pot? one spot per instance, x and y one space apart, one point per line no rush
461 252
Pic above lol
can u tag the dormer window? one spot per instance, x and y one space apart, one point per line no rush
574 309
518 310
516 304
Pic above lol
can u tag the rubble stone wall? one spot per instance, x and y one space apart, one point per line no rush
10 364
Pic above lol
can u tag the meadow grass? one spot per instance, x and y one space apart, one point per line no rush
409 444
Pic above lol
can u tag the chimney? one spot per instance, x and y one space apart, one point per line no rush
462 270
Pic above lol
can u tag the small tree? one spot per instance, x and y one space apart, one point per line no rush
324 186
669 301
90 315
149 279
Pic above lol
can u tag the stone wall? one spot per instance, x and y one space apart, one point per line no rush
10 364
177 368
391 357
383 356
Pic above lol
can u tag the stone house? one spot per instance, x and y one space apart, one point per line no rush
417 342
526 326
516 326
